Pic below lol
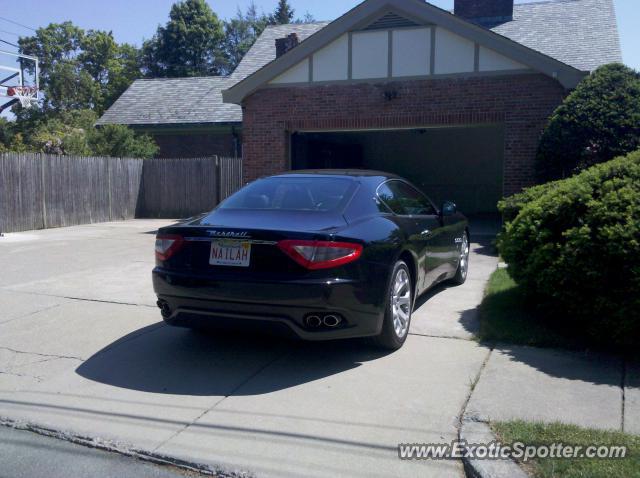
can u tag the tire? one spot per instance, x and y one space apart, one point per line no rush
398 308
463 262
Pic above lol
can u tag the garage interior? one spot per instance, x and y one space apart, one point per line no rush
462 164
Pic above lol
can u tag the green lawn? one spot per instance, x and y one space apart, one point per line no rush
541 434
507 315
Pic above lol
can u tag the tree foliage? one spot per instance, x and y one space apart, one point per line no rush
73 132
83 72
80 69
306 18
119 141
190 44
598 121
241 32
283 13
243 29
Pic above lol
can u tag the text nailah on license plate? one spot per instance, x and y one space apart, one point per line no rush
230 253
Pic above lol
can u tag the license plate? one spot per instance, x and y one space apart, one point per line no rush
230 253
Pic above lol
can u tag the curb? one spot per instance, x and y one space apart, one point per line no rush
473 431
125 450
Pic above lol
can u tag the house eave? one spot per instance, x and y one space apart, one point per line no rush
566 75
185 125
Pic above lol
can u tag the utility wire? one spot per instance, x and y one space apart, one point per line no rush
16 23
10 33
9 43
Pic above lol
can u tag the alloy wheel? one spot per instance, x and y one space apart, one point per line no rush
401 303
464 256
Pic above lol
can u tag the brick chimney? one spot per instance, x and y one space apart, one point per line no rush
283 45
484 11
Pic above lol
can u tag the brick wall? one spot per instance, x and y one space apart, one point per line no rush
522 102
195 145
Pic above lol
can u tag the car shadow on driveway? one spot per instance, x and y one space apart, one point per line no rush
168 360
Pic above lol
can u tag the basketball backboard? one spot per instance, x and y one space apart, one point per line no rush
18 80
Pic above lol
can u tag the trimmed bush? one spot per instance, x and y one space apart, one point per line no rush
511 206
574 245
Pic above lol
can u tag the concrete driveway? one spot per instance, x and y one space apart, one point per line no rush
83 350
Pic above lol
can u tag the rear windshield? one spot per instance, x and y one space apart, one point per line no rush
293 194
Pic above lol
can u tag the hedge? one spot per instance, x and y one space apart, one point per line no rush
574 245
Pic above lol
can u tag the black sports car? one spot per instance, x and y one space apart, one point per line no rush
322 254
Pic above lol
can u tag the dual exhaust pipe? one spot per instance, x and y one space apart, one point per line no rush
314 321
165 310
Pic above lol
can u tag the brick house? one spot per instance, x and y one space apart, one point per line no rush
455 102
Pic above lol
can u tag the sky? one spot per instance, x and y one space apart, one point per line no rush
133 21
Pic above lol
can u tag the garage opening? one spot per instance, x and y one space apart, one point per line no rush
463 164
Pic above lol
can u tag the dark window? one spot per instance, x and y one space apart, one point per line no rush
293 194
405 200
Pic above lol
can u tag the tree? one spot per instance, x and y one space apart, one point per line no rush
597 122
80 69
10 140
57 46
6 133
283 14
119 141
306 18
190 44
114 67
241 32
73 132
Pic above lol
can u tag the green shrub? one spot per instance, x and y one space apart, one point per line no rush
510 206
120 141
73 133
575 246
598 121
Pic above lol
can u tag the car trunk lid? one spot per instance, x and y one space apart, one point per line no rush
235 232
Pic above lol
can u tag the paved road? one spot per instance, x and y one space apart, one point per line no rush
82 349
28 455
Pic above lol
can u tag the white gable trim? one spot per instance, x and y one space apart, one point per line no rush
295 74
370 10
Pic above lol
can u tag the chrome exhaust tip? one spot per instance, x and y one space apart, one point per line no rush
165 310
313 321
331 320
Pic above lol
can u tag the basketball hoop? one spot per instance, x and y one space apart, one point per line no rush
27 95
19 80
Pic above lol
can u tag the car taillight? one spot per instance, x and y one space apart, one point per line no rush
167 245
320 254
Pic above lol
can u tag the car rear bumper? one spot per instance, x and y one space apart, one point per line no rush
273 306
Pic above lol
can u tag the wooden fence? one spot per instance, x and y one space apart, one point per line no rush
40 191
230 176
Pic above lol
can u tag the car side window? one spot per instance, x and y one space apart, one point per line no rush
404 200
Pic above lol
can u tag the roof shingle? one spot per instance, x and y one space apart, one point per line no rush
173 101
580 33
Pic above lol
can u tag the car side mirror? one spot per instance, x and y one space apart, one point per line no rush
448 208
